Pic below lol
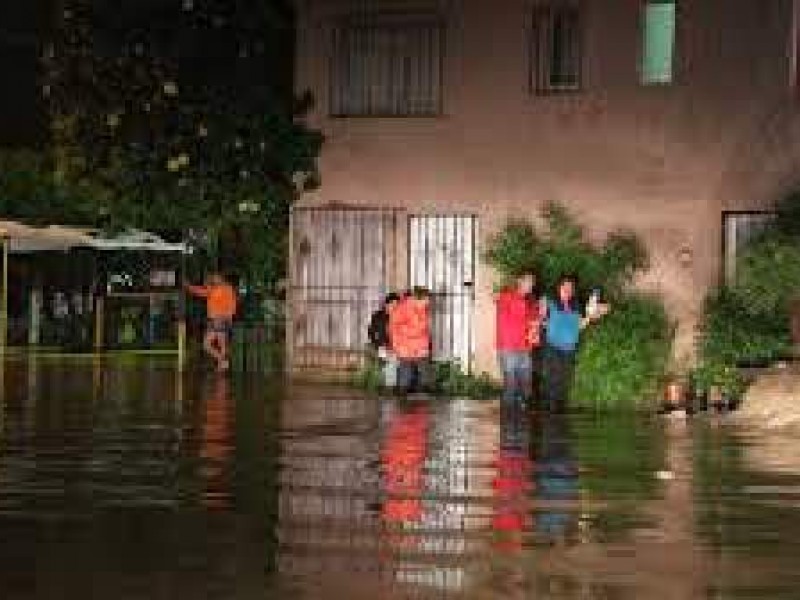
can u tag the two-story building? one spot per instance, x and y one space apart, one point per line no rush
444 118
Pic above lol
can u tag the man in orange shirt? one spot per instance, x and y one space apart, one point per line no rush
221 304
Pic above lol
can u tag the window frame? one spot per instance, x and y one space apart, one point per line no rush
542 85
379 20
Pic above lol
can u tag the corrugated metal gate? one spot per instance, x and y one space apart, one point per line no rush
341 260
441 257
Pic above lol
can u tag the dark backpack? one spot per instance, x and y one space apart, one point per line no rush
378 331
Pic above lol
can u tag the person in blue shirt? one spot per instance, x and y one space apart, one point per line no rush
563 325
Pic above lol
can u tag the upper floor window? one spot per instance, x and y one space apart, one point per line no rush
387 65
658 42
555 49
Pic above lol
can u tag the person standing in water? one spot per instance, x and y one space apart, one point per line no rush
378 334
518 334
410 337
563 324
221 305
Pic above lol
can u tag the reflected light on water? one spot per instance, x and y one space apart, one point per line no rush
133 482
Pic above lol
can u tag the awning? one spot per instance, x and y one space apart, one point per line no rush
25 239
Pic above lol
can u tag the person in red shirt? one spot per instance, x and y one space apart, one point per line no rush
221 304
518 333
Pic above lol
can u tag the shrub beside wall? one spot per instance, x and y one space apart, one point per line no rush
623 358
749 321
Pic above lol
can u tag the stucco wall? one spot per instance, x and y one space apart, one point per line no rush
664 161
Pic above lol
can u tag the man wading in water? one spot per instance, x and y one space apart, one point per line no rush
518 335
563 325
221 304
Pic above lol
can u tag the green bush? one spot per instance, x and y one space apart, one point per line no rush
445 378
369 376
734 334
749 321
768 275
561 249
622 359
451 380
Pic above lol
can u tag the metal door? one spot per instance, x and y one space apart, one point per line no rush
340 260
441 256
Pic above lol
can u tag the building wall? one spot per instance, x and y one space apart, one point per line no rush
663 160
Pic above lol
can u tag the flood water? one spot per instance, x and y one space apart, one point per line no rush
130 482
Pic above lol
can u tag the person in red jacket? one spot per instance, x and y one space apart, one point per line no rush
221 304
410 337
518 333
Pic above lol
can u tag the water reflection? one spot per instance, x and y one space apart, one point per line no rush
132 482
557 491
217 444
512 483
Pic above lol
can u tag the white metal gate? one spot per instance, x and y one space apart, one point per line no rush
441 257
341 260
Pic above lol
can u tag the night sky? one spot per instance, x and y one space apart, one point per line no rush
23 26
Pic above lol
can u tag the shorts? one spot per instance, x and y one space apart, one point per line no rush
223 326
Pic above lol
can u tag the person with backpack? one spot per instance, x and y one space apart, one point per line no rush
410 335
380 341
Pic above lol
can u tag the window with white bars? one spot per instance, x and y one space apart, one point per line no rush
387 66
555 49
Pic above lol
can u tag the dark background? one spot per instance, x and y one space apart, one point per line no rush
24 25
216 45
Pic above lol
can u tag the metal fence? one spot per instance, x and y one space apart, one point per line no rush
341 259
441 258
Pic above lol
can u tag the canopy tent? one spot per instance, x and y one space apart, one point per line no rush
18 238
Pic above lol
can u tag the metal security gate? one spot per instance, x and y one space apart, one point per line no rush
441 257
341 261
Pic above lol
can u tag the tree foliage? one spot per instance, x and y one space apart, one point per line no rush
561 248
749 320
178 116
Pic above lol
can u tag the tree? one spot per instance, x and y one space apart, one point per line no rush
177 116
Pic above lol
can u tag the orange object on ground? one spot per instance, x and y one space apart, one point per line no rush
221 300
409 328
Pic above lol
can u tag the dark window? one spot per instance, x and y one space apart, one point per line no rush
739 229
387 66
555 49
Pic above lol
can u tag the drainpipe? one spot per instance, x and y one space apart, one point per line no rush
4 241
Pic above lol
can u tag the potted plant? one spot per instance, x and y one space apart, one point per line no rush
722 386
